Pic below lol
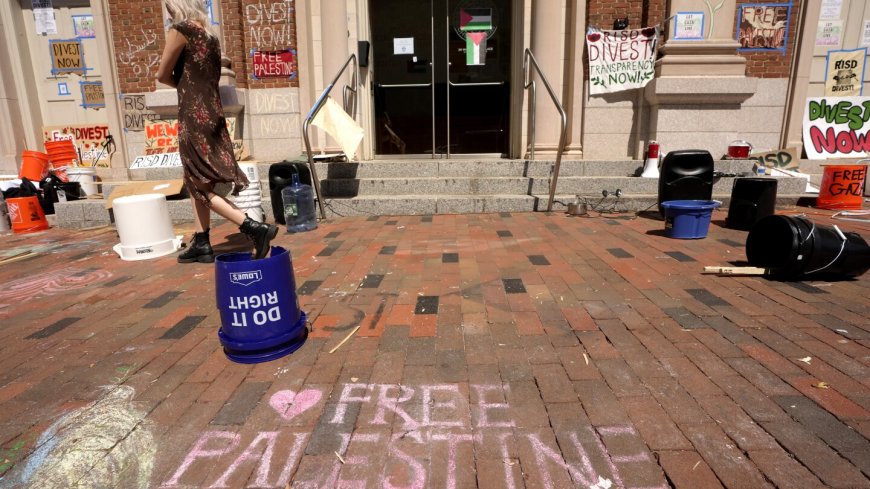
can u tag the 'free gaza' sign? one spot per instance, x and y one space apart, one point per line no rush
274 64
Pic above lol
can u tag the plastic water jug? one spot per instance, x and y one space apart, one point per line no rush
299 211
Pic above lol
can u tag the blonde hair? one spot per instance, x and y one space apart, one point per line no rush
181 10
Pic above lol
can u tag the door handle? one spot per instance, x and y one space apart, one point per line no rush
405 85
481 84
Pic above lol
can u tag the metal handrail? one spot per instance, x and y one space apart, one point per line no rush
349 101
530 84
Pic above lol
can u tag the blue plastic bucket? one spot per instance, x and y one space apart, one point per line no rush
260 316
688 219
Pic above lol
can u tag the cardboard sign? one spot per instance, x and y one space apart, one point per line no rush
92 95
274 64
161 136
837 127
844 72
763 27
162 160
136 114
788 159
89 139
66 57
169 188
621 60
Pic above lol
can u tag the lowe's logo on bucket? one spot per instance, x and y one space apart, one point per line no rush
246 278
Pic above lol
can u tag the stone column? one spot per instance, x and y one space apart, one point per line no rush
548 46
575 95
700 84
18 92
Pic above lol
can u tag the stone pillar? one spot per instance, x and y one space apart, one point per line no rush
334 52
700 83
18 93
548 46
575 95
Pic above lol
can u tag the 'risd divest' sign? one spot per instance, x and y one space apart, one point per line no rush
621 60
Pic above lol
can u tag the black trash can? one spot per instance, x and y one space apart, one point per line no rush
686 175
280 176
54 192
752 199
792 247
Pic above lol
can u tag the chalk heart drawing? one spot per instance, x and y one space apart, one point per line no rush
289 404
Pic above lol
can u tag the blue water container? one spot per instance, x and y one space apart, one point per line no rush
688 219
260 315
299 211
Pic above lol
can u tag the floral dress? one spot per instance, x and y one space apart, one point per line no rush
204 144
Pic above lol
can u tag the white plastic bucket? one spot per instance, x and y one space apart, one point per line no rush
86 176
144 226
247 200
251 171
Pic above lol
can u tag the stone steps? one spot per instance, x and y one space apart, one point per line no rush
432 186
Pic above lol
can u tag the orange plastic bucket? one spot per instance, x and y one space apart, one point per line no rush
841 187
26 215
34 165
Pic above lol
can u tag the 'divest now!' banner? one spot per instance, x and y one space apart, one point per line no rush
837 127
621 60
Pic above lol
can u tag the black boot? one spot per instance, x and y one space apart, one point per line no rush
261 233
199 250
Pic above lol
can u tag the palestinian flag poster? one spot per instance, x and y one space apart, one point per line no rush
475 19
475 48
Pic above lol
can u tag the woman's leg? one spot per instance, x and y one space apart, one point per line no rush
227 209
201 215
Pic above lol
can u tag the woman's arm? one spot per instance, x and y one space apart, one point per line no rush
175 42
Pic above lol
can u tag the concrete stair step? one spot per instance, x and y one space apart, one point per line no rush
591 185
92 212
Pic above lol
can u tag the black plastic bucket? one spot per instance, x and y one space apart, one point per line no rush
793 246
752 199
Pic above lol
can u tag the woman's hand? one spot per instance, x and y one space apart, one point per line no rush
175 42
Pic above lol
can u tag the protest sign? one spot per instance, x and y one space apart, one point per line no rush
621 60
66 57
781 158
161 136
763 27
159 160
272 64
89 139
92 95
844 72
837 127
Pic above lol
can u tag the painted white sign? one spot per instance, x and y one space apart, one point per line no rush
829 32
831 9
865 34
621 60
837 127
403 45
160 160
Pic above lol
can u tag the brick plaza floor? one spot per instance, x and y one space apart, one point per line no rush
493 351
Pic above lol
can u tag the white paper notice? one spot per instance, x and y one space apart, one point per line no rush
829 33
865 36
44 20
403 45
831 9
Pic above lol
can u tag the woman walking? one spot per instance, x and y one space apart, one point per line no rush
191 64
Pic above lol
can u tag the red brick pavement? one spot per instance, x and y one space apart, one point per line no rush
496 350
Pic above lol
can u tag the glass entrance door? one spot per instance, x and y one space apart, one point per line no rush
441 74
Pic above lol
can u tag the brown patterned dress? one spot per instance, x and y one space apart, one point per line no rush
204 145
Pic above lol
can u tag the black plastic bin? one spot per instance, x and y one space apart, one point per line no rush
686 175
280 176
791 247
752 199
71 191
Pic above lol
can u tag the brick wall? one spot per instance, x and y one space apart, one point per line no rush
138 38
642 13
771 64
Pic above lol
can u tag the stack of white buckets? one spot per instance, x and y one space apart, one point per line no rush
250 200
86 176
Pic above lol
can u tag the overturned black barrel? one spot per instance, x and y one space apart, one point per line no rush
752 199
793 246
